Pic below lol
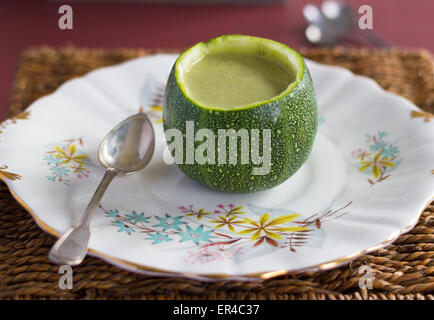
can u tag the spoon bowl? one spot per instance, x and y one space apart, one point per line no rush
129 146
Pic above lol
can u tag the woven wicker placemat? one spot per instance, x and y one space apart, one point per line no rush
403 270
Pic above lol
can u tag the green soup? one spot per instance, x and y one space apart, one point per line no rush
229 80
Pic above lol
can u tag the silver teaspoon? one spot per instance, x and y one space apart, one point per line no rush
126 149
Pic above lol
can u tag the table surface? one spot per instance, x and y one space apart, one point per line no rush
24 23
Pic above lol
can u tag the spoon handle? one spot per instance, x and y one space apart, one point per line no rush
71 247
109 174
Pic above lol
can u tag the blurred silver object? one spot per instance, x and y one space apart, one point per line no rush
334 22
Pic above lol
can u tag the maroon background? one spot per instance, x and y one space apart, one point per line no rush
402 23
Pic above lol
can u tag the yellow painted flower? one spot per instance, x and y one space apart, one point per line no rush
420 114
78 168
21 116
363 155
199 213
69 155
224 221
8 175
269 228
377 164
157 110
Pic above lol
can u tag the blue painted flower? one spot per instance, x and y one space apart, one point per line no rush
382 134
59 171
379 145
196 235
135 217
51 178
123 227
391 151
158 238
112 213
52 160
169 222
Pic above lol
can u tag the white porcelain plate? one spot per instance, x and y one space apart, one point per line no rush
366 181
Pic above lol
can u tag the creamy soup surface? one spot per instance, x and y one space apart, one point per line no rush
228 80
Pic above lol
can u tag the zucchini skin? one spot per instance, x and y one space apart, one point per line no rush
292 120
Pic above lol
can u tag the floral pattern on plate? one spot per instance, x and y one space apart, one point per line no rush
379 158
426 116
13 120
224 232
66 160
